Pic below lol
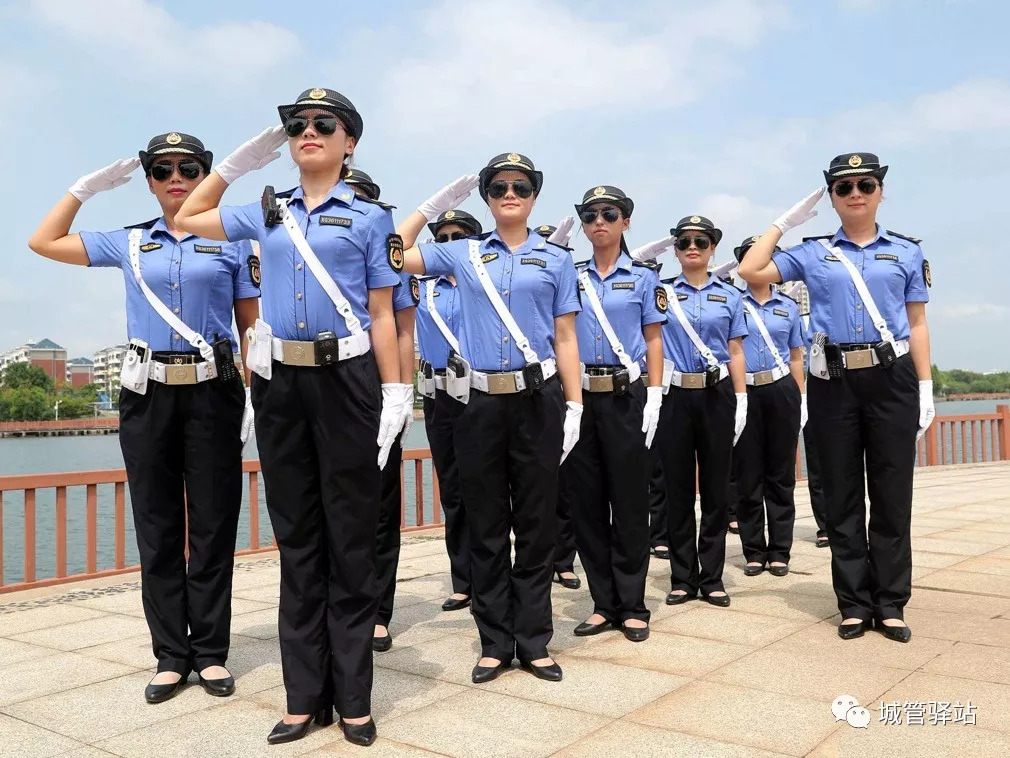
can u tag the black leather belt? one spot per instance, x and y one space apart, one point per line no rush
177 359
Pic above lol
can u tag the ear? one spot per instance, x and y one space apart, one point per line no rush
349 146
626 225
150 185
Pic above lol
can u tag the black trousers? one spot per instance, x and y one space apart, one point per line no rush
658 529
696 428
439 423
564 545
818 502
606 472
764 463
870 414
316 429
508 449
387 543
183 458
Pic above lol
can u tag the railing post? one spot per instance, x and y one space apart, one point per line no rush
931 442
29 536
1004 431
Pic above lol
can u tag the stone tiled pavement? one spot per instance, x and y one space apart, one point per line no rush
756 679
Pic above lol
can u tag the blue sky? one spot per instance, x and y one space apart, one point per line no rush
730 108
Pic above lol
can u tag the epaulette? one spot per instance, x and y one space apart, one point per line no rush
789 297
559 247
642 264
483 236
915 240
143 225
821 237
380 203
286 193
582 264
669 280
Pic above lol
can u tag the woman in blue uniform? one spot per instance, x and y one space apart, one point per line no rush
764 460
326 342
607 473
700 419
518 299
870 390
181 432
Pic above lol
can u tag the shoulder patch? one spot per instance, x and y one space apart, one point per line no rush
206 248
488 257
916 240
415 290
254 270
149 247
334 221
533 262
926 273
143 224
718 298
661 302
394 249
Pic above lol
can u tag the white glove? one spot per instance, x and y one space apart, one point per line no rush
740 421
563 233
407 409
927 411
114 175
650 417
573 424
726 269
653 250
803 411
390 420
800 213
247 419
449 197
252 154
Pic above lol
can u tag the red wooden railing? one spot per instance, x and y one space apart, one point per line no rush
70 424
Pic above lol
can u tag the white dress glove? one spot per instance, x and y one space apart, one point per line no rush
650 417
653 250
252 154
724 270
800 213
407 409
573 425
247 419
927 411
563 233
390 420
114 175
803 411
740 421
449 197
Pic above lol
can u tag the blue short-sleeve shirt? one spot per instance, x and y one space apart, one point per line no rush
781 317
433 345
714 310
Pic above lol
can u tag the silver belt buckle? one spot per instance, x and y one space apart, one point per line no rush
763 377
185 374
692 381
859 359
501 384
601 383
298 353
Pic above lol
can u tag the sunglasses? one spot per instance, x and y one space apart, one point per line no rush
702 243
188 169
325 125
610 215
450 237
522 187
866 187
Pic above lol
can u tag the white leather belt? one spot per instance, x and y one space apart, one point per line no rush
440 382
696 381
856 359
293 353
188 373
605 382
508 383
761 378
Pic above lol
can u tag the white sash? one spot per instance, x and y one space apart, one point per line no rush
499 305
871 308
764 334
429 299
708 355
615 344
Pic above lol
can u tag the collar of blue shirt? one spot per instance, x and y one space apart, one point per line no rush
340 193
161 226
712 281
623 262
533 242
776 297
839 236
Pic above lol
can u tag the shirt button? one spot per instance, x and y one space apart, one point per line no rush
176 310
299 295
599 357
859 307
504 339
505 361
175 336
598 337
175 285
299 267
859 328
301 324
178 261
504 292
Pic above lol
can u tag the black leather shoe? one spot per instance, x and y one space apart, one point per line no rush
585 629
778 570
852 631
676 599
822 541
896 633
720 600
484 674
549 673
359 734
159 693
753 570
733 529
219 687
635 633
662 552
382 644
452 604
290 732
568 584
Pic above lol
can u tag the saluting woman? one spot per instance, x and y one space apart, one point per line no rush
327 341
870 391
181 432
514 287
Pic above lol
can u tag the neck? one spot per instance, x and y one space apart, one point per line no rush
606 257
696 277
513 233
860 231
317 184
174 230
761 292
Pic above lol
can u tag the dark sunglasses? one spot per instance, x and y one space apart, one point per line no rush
325 125
866 187
610 215
450 237
702 243
522 187
188 169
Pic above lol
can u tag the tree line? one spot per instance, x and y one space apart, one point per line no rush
27 393
960 382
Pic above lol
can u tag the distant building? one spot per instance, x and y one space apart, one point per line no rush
801 296
108 362
80 371
45 354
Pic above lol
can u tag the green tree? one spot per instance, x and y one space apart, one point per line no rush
73 407
87 392
20 375
30 404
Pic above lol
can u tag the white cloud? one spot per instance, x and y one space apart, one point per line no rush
860 5
143 40
966 311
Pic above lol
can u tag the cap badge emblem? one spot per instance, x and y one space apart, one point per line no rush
695 219
754 239
514 158
450 215
173 139
544 228
599 191
855 161
317 93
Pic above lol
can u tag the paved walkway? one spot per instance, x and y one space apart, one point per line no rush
757 679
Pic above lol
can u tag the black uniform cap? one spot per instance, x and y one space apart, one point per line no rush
175 143
327 100
355 177
854 164
697 224
545 230
606 193
510 162
460 218
741 251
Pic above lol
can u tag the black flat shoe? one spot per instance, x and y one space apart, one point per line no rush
635 633
852 631
720 600
753 570
585 629
382 644
778 570
896 633
662 552
219 687
159 693
290 732
676 599
822 542
359 734
452 604
484 674
549 673
733 529
568 584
